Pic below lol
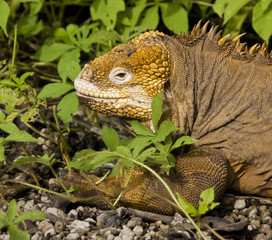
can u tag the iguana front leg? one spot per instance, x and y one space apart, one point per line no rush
196 171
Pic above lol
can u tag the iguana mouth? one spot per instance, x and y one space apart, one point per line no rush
88 90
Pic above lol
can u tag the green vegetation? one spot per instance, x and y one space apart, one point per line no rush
43 45
11 221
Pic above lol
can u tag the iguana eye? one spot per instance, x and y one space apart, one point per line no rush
120 75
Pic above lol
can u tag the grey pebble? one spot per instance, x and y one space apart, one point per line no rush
138 230
134 222
240 204
78 226
126 233
73 236
57 212
30 206
102 218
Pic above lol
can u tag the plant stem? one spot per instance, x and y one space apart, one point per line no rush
167 188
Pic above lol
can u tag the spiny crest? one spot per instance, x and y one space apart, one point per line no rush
233 46
146 36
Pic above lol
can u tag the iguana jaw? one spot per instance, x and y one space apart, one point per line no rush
114 102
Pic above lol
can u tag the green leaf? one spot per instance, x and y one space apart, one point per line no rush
68 65
2 116
184 140
140 129
188 207
131 16
235 24
145 154
206 200
30 215
110 138
156 106
94 161
4 14
232 8
175 17
261 21
67 105
35 7
219 6
16 134
99 12
166 127
15 233
28 25
52 52
45 159
12 211
21 136
124 151
265 4
2 150
150 19
139 143
113 7
55 90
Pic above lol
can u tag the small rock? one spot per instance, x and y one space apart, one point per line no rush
253 213
59 226
36 236
78 226
50 232
102 218
45 225
138 230
260 236
73 236
255 224
240 204
134 222
57 212
126 233
30 206
266 219
110 237
20 177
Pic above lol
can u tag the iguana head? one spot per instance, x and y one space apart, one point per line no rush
123 81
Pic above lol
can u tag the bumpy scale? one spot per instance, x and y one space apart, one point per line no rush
215 89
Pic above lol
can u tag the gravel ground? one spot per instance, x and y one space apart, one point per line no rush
241 218
236 218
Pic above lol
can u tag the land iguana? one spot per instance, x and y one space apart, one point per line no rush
215 90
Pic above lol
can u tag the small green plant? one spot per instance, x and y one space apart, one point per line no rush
146 147
11 220
206 203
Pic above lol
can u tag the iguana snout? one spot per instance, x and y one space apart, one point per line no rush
123 81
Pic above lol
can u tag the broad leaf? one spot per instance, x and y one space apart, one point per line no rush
15 233
151 18
156 106
175 17
4 14
184 140
68 105
55 90
12 210
30 215
110 138
166 127
232 8
206 201
68 65
52 52
141 129
261 21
